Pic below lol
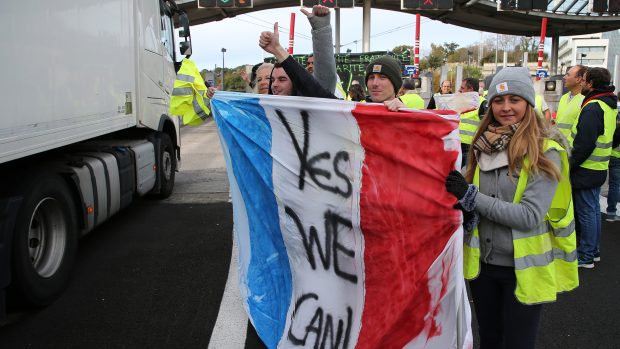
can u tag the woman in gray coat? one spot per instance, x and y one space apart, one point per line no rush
510 253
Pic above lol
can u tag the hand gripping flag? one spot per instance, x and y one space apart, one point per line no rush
189 96
347 236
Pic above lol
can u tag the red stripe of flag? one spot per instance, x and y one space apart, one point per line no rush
406 218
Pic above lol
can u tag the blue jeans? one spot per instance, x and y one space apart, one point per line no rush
588 221
614 186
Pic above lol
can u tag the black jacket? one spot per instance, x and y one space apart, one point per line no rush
304 84
590 126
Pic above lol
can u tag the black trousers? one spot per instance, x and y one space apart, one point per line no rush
503 322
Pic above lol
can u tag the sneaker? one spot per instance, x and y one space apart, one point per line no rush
612 218
597 257
588 264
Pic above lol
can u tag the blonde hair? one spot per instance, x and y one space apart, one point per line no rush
528 140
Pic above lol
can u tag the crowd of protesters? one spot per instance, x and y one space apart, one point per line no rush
528 185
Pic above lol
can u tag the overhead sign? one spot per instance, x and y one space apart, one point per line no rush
225 3
542 73
433 5
521 5
352 66
411 70
328 3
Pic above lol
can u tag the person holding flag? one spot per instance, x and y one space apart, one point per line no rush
520 244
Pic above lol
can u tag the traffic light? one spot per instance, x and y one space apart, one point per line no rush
225 3
244 3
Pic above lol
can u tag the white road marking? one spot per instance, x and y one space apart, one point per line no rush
232 321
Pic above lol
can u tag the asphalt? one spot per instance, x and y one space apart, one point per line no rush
153 277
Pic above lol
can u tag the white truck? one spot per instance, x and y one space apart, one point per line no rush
84 129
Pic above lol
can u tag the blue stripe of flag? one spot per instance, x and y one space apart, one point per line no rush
244 127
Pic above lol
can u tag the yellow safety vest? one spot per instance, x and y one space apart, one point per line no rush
568 111
546 258
469 124
539 105
189 96
339 91
599 159
412 100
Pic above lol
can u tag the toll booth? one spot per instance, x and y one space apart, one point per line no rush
551 89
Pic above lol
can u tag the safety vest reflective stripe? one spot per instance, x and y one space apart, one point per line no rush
565 231
182 91
188 97
186 78
599 159
545 258
604 145
568 111
198 110
565 126
472 122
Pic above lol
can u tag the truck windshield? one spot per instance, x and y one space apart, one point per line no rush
167 33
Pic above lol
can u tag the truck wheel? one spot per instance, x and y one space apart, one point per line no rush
167 166
44 241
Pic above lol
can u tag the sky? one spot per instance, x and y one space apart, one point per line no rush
239 35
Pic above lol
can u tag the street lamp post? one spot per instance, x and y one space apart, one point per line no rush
223 51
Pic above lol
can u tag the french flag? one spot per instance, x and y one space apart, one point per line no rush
347 237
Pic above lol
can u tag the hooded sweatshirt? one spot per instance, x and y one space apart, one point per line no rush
590 126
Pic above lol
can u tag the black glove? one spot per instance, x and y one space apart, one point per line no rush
456 184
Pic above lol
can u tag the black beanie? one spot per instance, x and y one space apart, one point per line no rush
388 66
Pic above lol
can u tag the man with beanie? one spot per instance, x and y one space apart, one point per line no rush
591 138
383 79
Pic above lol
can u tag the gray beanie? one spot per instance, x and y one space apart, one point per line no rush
513 81
388 66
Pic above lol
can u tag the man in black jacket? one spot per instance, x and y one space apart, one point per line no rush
591 139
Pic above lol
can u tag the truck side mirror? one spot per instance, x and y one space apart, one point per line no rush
184 24
185 47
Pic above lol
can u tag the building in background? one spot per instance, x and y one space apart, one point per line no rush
591 50
614 48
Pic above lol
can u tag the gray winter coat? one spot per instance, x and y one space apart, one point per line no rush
499 216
